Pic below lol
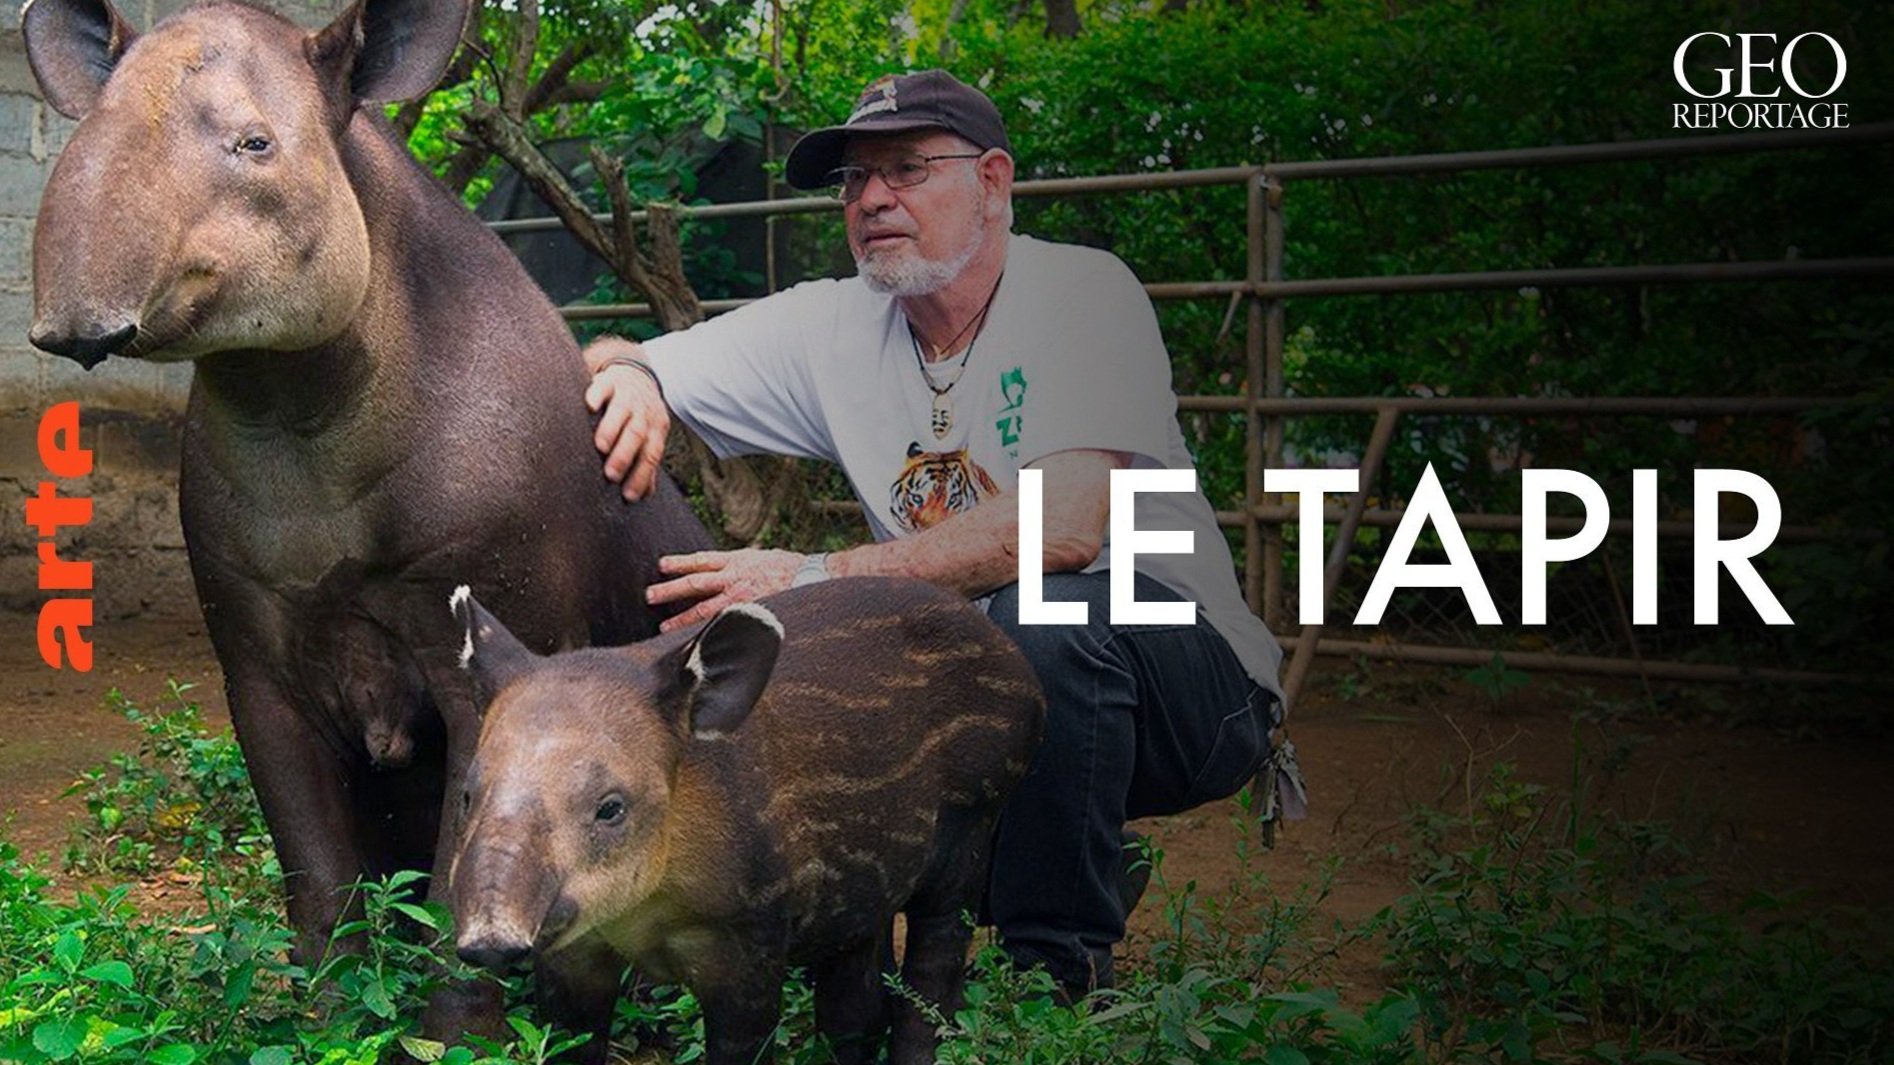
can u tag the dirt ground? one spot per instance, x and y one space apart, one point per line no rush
1771 808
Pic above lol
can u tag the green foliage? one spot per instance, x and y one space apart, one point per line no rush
184 794
97 981
1559 933
1496 679
1228 981
662 81
1535 930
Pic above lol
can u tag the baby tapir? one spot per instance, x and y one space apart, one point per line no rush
723 802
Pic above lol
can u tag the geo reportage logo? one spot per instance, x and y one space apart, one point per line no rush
1744 79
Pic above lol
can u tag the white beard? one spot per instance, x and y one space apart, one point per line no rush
896 274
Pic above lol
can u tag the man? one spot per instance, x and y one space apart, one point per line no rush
960 354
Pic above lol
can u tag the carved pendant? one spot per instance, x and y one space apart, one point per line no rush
943 416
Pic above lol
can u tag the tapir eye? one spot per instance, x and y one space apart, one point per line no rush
611 810
258 144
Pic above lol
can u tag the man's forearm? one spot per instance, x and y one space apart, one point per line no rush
977 550
971 553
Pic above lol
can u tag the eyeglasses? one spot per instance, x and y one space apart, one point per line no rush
904 173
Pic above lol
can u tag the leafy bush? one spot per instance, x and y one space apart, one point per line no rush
1229 980
183 795
1598 941
1535 931
96 981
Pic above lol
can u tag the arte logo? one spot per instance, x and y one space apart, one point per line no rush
62 621
1810 66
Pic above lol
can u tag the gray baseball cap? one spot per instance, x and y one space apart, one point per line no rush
899 103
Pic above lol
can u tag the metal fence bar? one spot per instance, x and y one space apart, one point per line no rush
1303 658
1658 274
1481 521
1276 385
823 204
1608 667
743 209
1164 179
1618 151
1550 277
592 312
1567 155
1627 406
1398 284
1262 377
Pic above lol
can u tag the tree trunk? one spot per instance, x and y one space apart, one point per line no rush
652 264
1062 19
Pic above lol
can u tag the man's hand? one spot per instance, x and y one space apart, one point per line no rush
633 421
720 578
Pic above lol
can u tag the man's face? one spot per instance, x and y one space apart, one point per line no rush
914 241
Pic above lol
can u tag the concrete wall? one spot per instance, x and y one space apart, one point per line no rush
131 410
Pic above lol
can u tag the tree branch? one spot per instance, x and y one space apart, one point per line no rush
573 92
525 44
555 78
659 272
551 90
505 137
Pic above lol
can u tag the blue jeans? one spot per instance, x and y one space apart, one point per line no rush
1141 720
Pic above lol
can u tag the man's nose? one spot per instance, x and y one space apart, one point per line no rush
877 195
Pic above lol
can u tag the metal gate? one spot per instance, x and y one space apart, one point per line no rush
1263 294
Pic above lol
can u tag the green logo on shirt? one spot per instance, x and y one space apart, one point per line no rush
1013 389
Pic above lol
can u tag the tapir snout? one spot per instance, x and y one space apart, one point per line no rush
498 949
506 899
204 203
86 343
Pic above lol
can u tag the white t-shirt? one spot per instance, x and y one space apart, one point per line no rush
1070 358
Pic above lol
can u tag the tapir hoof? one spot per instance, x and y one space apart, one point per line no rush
461 1009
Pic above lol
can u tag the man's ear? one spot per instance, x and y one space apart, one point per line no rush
73 46
491 653
383 51
996 173
713 681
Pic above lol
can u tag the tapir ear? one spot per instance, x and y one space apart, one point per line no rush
720 674
382 51
72 46
487 649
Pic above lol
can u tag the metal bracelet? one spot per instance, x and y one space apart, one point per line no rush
814 570
635 363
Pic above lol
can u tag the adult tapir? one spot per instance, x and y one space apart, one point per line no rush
383 404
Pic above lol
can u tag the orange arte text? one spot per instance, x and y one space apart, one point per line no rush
62 621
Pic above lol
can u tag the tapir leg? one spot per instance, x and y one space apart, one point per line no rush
303 788
935 969
576 990
851 1003
742 998
940 932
